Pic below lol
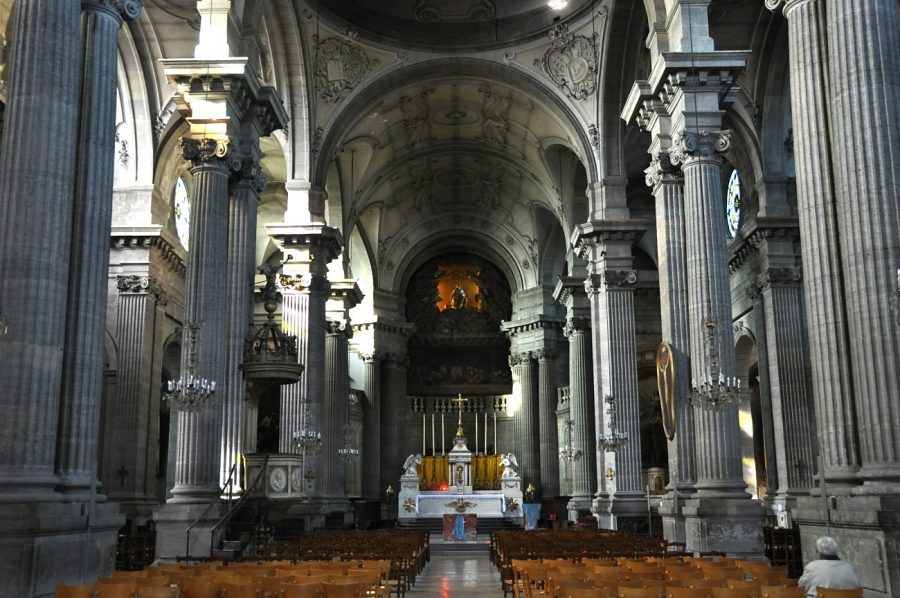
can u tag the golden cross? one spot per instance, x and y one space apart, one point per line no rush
459 400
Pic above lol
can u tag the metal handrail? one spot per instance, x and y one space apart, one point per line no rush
187 533
234 509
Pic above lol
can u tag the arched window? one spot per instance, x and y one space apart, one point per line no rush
734 199
181 211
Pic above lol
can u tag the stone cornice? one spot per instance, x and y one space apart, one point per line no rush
751 238
403 329
318 236
346 290
150 238
567 287
538 322
603 232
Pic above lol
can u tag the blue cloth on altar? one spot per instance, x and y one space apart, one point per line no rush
532 512
459 528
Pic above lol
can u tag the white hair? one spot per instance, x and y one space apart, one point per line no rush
826 546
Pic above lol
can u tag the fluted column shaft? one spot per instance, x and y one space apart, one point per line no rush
86 310
199 433
524 375
549 443
37 187
393 396
337 389
863 62
717 435
581 412
672 262
791 406
239 315
611 294
829 349
371 449
127 417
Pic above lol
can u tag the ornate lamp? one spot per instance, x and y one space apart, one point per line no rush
190 392
568 452
714 391
308 442
615 439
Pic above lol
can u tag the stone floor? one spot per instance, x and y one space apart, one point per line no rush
458 573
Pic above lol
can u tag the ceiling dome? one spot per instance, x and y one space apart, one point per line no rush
450 25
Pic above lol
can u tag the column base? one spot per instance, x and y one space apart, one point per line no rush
671 510
578 507
172 523
867 530
45 544
623 512
729 525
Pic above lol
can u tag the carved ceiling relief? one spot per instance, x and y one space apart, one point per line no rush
340 67
455 11
571 62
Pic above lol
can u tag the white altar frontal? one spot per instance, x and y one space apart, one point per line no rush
414 503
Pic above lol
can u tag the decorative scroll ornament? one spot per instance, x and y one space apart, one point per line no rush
460 505
571 62
774 5
660 169
619 278
127 9
665 384
705 144
409 505
207 151
340 66
454 11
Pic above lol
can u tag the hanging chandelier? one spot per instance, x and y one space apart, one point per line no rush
190 393
308 442
569 452
615 439
714 391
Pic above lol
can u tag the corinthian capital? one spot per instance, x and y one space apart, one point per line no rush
774 5
253 175
705 144
209 151
128 10
661 169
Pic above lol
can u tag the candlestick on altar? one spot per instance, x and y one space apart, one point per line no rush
485 432
432 435
495 432
442 435
423 435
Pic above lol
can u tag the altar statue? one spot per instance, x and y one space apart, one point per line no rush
410 465
458 298
510 465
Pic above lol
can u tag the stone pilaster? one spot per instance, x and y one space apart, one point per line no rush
89 257
393 410
606 247
792 412
829 348
525 418
549 442
371 448
239 315
335 421
127 418
863 62
666 182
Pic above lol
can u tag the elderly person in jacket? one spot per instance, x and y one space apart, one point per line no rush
827 571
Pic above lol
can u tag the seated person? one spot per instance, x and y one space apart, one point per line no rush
827 571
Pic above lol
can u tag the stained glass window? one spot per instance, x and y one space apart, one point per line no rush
734 199
182 211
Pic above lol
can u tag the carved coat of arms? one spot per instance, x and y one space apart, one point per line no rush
571 62
340 66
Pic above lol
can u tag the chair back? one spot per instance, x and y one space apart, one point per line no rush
781 592
301 590
344 590
156 592
835 593
239 590
655 592
76 591
672 592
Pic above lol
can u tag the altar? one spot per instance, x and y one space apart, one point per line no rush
492 488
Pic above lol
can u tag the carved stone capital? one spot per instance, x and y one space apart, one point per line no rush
305 283
127 10
593 283
251 174
210 151
396 360
619 278
544 355
661 170
339 328
519 358
781 277
373 357
574 325
774 5
688 146
141 285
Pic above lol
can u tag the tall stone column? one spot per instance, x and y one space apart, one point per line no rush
863 62
127 417
525 418
86 309
239 315
794 431
666 182
581 412
371 449
197 457
824 289
717 434
606 247
37 183
393 410
337 390
549 442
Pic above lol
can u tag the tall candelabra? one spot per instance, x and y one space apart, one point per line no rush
615 439
190 392
714 391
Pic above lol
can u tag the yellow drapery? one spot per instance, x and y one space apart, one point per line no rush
486 472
